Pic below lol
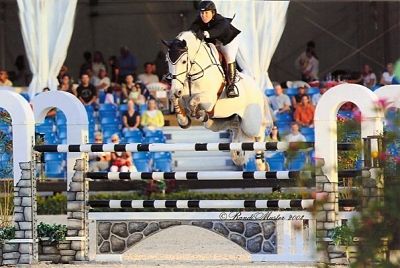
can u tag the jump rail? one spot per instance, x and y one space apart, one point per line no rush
217 175
206 204
164 147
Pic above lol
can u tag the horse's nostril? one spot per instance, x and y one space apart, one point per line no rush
179 92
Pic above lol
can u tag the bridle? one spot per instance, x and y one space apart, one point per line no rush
189 65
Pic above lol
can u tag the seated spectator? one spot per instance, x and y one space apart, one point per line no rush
66 84
114 69
368 78
295 135
315 98
387 77
296 99
99 161
63 71
304 113
131 118
121 161
109 98
86 92
4 79
280 102
148 76
98 63
152 118
273 135
101 81
132 91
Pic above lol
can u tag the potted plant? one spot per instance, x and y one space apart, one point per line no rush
343 236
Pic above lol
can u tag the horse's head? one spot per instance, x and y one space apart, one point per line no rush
180 51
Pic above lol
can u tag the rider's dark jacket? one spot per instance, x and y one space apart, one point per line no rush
219 28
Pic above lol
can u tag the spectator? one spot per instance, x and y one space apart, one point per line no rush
161 65
4 79
296 99
316 97
109 98
273 135
368 77
132 91
280 102
307 63
101 81
295 135
86 92
63 71
87 64
99 161
127 63
121 161
152 118
387 77
304 113
98 63
131 118
66 84
114 69
148 76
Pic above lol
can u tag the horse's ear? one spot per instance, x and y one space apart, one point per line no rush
184 43
167 43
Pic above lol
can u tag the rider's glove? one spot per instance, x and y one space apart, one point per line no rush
200 34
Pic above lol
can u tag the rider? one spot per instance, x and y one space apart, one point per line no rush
216 29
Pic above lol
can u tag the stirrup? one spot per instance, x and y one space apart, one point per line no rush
232 92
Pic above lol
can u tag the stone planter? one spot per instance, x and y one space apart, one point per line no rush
50 251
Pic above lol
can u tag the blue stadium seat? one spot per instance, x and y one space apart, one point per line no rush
62 134
54 169
142 165
375 87
292 91
102 96
250 165
50 138
162 155
133 133
276 161
134 139
307 130
269 92
312 90
297 162
284 117
123 108
142 108
345 114
153 140
53 157
25 95
162 165
141 155
110 120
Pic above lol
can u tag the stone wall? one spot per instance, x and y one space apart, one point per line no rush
116 237
23 250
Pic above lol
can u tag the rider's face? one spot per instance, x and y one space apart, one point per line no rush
206 16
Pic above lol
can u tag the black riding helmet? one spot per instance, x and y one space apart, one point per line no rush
207 5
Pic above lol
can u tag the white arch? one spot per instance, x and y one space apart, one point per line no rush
23 128
77 120
390 93
325 121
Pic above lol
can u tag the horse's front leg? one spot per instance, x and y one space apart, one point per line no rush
196 111
181 116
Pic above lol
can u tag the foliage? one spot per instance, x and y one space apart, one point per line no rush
343 235
6 203
7 233
52 205
54 232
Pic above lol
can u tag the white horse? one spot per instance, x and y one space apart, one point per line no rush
197 91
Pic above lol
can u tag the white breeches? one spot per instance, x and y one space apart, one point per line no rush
230 50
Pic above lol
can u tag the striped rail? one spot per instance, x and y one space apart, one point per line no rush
205 204
164 147
217 175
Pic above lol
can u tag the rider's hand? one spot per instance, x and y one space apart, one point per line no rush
200 34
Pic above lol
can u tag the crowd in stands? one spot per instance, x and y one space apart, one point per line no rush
122 105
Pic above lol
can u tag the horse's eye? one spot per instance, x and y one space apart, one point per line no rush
184 62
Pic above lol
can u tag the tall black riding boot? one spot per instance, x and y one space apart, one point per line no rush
231 91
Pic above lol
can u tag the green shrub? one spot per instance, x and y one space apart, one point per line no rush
55 232
7 233
52 205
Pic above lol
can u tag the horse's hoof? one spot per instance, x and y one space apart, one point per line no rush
189 123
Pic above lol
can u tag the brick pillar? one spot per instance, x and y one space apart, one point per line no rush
77 234
25 249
